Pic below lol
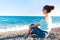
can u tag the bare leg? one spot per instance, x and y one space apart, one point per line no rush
30 29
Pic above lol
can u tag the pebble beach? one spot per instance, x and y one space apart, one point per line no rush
18 35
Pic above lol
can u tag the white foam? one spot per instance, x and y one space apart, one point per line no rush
56 25
17 28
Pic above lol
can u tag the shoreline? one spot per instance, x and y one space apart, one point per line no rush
13 33
12 29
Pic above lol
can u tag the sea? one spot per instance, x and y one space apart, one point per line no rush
13 23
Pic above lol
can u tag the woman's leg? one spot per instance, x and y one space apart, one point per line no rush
38 32
30 29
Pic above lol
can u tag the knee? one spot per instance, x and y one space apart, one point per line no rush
35 29
31 24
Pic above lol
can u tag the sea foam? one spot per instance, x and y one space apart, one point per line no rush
25 27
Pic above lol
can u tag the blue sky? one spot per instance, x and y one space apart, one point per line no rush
27 7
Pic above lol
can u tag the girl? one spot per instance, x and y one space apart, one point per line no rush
43 28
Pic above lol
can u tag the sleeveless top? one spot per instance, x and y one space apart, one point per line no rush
45 25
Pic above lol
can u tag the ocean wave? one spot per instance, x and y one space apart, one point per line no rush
16 28
56 25
22 27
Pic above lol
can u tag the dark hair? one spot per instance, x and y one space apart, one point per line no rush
48 8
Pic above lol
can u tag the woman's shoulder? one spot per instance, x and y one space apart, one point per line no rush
43 21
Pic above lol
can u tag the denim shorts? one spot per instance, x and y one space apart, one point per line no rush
39 33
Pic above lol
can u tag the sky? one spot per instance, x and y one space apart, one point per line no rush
27 7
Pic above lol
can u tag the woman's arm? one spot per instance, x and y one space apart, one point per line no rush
36 25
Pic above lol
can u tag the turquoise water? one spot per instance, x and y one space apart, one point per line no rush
8 21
